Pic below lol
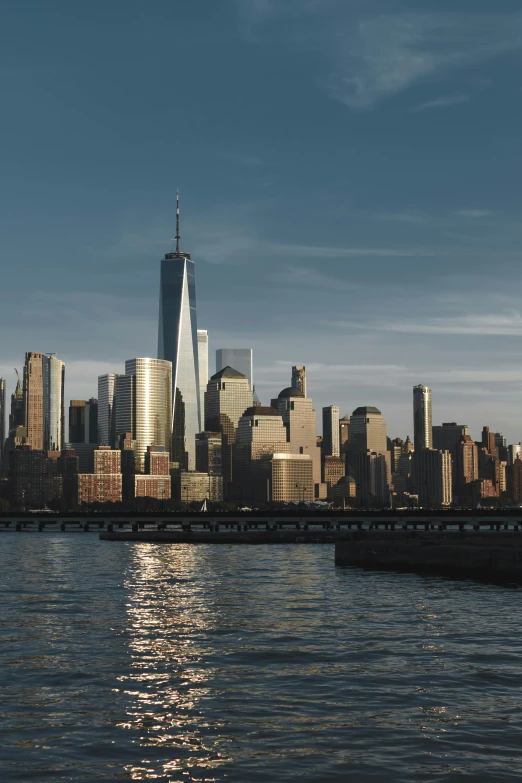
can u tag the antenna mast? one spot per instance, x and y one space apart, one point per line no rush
177 222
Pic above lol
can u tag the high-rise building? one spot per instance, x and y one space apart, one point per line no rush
143 400
300 420
467 463
195 487
178 344
240 359
106 423
290 477
371 469
447 437
83 421
298 380
331 444
514 452
489 441
34 400
106 483
344 429
44 376
2 420
367 434
260 432
203 372
227 397
208 453
53 376
432 477
422 426
17 414
333 470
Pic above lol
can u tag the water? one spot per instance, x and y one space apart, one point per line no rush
227 663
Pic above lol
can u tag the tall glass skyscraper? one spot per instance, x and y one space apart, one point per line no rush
239 359
150 403
203 371
53 374
2 420
422 429
178 343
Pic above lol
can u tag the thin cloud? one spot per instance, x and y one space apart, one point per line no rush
373 56
440 103
474 213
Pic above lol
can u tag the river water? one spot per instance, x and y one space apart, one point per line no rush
134 661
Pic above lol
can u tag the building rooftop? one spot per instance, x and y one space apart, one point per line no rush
227 372
290 391
364 409
260 410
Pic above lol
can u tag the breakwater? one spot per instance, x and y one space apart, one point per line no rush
489 555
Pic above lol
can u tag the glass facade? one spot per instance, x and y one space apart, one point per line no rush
106 390
239 359
151 405
53 375
178 344
422 431
203 371
331 444
2 419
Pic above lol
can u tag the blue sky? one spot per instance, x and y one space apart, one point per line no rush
350 183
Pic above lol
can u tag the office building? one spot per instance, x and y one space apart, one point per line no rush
300 420
448 437
333 470
106 422
44 411
344 429
260 432
192 487
144 405
83 421
209 453
372 479
227 397
53 377
289 477
203 371
178 344
432 477
152 486
344 493
467 464
367 434
422 425
331 444
2 421
34 400
240 359
298 379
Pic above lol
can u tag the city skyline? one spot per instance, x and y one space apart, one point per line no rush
364 254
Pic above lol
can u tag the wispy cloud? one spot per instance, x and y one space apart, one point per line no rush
373 55
440 103
507 324
474 213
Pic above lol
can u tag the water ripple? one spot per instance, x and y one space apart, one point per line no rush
227 663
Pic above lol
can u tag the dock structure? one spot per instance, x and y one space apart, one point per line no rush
484 555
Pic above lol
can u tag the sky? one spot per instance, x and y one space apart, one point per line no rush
349 175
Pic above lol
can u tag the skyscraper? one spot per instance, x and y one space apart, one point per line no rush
260 432
83 421
331 445
432 477
203 372
106 424
34 400
299 378
227 397
150 401
240 359
53 376
178 343
367 433
44 377
2 420
422 428
300 420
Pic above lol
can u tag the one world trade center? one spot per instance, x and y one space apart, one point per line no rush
178 343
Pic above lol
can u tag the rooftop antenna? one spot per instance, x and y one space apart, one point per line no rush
17 374
177 222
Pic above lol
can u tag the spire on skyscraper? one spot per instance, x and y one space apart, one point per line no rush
177 222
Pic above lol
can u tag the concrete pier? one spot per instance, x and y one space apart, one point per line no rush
269 536
488 556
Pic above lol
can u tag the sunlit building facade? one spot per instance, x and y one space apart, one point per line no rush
178 344
203 371
422 424
106 423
